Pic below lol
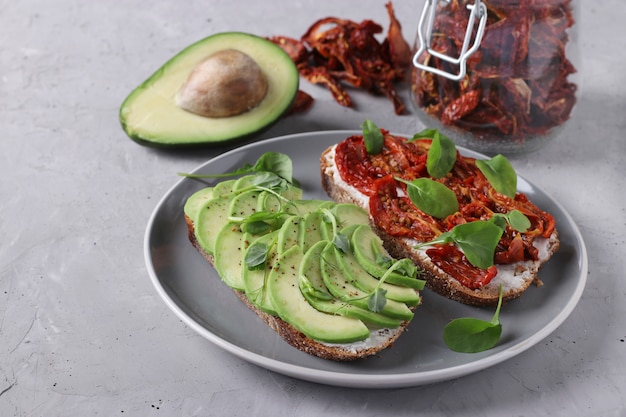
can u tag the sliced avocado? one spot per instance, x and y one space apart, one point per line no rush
314 229
244 204
229 250
366 282
292 307
339 284
312 286
195 202
151 116
337 307
255 279
289 233
209 221
367 247
348 214
224 188
304 207
310 279
242 183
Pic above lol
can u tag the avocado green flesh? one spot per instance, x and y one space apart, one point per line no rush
150 115
367 246
229 250
289 234
316 292
195 202
366 282
340 285
306 280
255 279
292 307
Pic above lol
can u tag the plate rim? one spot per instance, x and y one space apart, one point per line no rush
395 380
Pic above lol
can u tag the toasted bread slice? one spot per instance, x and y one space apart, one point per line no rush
378 340
514 278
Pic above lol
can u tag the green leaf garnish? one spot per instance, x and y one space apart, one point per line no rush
518 220
383 260
406 267
441 156
471 335
500 174
342 242
373 137
477 240
425 133
256 256
255 227
515 218
431 197
377 300
309 289
274 162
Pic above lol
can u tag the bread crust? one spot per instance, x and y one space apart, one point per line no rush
337 352
524 273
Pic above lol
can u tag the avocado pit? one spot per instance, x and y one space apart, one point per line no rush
225 84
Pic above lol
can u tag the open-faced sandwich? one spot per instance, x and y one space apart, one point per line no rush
461 220
313 270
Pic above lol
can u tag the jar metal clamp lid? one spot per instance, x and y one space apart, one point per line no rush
424 35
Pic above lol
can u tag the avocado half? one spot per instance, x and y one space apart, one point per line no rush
150 115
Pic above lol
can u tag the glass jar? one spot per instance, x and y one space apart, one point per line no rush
496 76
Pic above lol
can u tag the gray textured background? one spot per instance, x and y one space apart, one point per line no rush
82 330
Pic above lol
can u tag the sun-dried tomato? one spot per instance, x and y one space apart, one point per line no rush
395 214
452 261
334 52
520 71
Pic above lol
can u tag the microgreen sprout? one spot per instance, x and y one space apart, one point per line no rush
272 162
441 154
431 197
500 174
373 137
471 335
477 240
256 255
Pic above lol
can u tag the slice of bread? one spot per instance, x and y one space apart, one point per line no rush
378 340
514 278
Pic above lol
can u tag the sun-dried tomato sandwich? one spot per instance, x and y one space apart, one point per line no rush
461 220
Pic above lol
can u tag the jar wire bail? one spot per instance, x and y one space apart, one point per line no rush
425 31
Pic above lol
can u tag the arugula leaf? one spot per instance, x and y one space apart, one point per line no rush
432 197
500 174
441 156
471 335
373 137
274 162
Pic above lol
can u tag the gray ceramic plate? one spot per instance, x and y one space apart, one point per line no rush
192 289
